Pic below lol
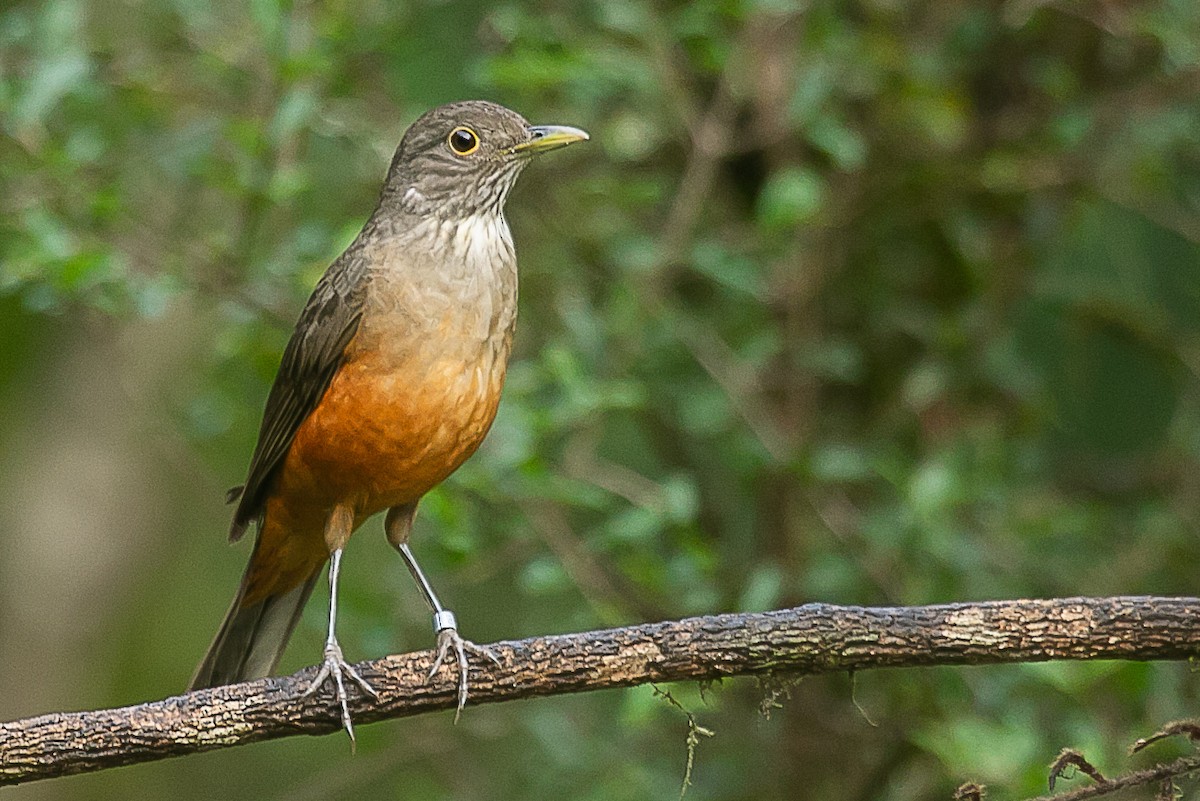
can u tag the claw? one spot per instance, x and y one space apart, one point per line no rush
449 638
336 667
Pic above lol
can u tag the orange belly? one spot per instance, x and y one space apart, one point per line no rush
382 436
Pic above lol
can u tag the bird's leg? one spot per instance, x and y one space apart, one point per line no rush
334 664
445 625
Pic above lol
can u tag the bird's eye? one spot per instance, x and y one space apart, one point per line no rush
463 141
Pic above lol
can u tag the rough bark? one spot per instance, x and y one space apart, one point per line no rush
806 640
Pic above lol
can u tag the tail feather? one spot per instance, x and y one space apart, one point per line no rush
252 637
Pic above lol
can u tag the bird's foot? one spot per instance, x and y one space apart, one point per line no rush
449 639
336 667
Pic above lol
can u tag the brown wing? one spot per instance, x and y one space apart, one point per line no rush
314 353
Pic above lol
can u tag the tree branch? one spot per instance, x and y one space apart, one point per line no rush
812 639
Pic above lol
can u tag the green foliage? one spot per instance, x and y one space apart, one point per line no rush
867 303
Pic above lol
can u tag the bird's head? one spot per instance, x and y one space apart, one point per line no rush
462 159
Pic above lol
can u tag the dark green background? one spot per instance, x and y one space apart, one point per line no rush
872 303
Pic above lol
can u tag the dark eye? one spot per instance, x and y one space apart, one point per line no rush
463 141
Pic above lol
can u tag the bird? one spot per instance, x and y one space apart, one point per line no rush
390 380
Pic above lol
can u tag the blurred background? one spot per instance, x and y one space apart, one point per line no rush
866 303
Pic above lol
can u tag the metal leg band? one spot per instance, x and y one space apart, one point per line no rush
444 619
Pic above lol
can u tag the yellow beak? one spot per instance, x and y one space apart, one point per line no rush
544 138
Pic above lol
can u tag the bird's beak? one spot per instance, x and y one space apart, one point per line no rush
544 138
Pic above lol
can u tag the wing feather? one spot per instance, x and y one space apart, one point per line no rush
313 355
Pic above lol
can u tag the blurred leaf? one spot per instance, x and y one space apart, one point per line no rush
792 196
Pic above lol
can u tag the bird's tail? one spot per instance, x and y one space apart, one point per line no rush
256 629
